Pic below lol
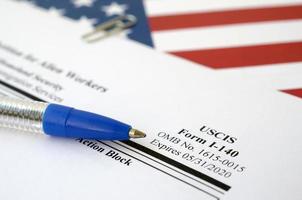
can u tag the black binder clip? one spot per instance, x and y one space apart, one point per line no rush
109 28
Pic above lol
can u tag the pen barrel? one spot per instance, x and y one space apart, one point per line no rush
22 114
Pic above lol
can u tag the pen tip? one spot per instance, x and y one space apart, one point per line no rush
133 133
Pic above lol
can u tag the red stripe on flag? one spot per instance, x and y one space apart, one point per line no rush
159 23
245 56
295 92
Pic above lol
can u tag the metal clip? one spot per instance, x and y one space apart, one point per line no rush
109 28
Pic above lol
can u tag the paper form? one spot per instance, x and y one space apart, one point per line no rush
207 138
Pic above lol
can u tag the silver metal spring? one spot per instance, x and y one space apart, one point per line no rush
22 115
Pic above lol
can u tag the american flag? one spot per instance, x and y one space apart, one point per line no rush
223 35
232 35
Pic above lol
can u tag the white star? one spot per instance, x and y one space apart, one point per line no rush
56 12
80 3
114 9
87 23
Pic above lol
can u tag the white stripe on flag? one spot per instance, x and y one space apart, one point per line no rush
228 36
276 76
168 7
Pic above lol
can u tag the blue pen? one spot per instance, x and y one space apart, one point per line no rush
62 121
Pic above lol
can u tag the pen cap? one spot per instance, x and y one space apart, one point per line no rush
64 121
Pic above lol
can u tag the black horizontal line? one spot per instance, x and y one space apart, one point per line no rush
21 91
167 166
160 170
178 165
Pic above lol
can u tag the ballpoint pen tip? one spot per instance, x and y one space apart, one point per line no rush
133 133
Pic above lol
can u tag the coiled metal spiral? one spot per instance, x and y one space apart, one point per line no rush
22 115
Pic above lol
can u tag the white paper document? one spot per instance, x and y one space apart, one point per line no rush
207 137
